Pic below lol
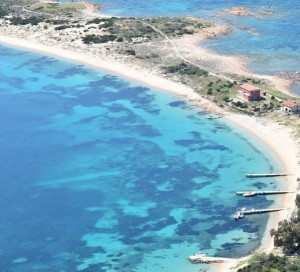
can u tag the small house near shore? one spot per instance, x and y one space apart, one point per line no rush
249 92
291 106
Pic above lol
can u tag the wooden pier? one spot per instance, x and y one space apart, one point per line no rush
255 193
240 214
202 258
266 175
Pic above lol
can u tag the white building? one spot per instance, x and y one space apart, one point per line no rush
291 106
139 40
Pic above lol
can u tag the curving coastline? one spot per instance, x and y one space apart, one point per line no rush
283 144
287 150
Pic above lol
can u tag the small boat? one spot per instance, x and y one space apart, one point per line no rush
210 117
238 215
248 194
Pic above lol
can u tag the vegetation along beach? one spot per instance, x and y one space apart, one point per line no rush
149 136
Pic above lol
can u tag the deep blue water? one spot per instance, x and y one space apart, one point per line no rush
100 174
272 48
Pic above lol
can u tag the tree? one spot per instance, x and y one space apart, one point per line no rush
287 235
298 201
2 12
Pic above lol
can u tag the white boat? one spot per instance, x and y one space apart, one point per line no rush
213 117
238 215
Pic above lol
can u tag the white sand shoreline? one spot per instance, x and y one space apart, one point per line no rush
115 68
286 148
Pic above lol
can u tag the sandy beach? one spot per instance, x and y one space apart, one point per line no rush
277 137
286 148
116 68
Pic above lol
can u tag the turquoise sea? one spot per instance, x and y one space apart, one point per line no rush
272 46
99 174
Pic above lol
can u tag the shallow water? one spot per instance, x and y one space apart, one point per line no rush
272 45
100 174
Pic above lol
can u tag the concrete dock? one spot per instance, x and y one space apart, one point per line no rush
202 258
255 193
241 214
266 175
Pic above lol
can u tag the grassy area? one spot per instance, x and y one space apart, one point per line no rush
276 93
148 56
8 6
58 9
185 69
220 89
176 27
128 28
9 3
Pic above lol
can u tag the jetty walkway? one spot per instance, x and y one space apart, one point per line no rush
240 214
255 193
202 258
267 175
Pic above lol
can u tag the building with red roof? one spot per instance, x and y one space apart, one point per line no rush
291 106
249 92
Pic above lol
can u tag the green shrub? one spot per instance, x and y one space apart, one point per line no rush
61 27
271 263
186 70
287 236
33 20
88 39
130 52
226 98
57 22
209 92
